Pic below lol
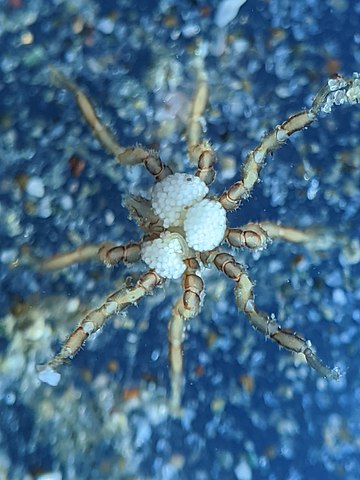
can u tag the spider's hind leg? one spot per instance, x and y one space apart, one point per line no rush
265 324
188 306
95 319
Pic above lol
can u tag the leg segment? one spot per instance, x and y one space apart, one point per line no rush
112 254
108 252
335 92
94 320
244 297
62 260
142 213
290 234
251 236
199 151
258 235
185 308
126 156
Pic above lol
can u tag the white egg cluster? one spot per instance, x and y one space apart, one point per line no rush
165 254
194 222
205 225
170 197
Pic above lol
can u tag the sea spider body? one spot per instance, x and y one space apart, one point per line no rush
184 227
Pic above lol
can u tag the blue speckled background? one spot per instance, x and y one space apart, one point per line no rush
251 411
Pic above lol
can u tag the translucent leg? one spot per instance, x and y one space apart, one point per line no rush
185 308
200 151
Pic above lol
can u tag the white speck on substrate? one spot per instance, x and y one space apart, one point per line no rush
35 187
49 376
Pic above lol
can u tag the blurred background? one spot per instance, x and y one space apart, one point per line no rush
250 410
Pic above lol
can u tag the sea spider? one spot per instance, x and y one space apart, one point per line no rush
183 227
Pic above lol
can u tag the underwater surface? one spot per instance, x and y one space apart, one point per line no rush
250 410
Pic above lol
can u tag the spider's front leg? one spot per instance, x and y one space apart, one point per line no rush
124 155
268 326
186 307
95 319
335 92
200 151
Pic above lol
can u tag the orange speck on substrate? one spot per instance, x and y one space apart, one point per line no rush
113 366
130 393
86 375
199 370
76 165
247 383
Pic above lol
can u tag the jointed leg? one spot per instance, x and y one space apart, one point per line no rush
124 155
185 308
95 319
257 235
142 213
251 236
197 107
336 91
112 254
290 234
200 151
62 260
315 238
108 252
268 326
